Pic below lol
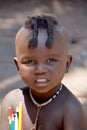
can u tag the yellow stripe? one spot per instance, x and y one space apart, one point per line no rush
20 117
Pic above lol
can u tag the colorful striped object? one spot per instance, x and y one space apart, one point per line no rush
15 120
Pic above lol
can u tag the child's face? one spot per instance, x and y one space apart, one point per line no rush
41 68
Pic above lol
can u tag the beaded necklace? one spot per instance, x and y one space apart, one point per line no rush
39 106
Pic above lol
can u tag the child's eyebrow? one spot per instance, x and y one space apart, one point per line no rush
25 58
53 55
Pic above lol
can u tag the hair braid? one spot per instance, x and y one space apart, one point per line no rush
33 42
45 22
49 40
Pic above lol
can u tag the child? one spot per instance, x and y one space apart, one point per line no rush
42 60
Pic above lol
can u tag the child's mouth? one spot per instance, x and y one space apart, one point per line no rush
41 82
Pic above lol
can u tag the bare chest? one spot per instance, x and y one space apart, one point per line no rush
44 120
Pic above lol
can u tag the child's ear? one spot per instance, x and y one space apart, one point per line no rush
68 63
16 62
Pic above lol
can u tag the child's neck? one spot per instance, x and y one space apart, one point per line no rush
45 98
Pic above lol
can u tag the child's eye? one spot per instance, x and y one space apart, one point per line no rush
52 60
30 62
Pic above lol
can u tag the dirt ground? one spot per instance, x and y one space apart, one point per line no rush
72 15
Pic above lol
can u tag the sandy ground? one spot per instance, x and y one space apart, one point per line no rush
72 15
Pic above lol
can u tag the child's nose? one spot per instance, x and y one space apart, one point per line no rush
40 69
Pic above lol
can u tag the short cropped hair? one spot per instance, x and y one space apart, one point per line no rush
37 22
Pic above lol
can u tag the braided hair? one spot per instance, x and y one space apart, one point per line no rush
35 23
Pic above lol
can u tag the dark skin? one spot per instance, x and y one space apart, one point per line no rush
42 70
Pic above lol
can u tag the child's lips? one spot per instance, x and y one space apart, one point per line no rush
41 82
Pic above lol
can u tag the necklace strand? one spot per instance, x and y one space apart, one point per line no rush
47 102
39 106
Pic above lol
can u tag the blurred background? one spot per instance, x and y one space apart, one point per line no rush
71 14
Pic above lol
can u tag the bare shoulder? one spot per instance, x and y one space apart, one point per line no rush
13 95
74 117
10 99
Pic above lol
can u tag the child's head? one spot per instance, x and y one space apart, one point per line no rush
42 53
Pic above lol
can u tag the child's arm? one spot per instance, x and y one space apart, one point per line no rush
74 118
12 99
4 116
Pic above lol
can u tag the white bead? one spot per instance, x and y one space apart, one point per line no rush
54 96
57 92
